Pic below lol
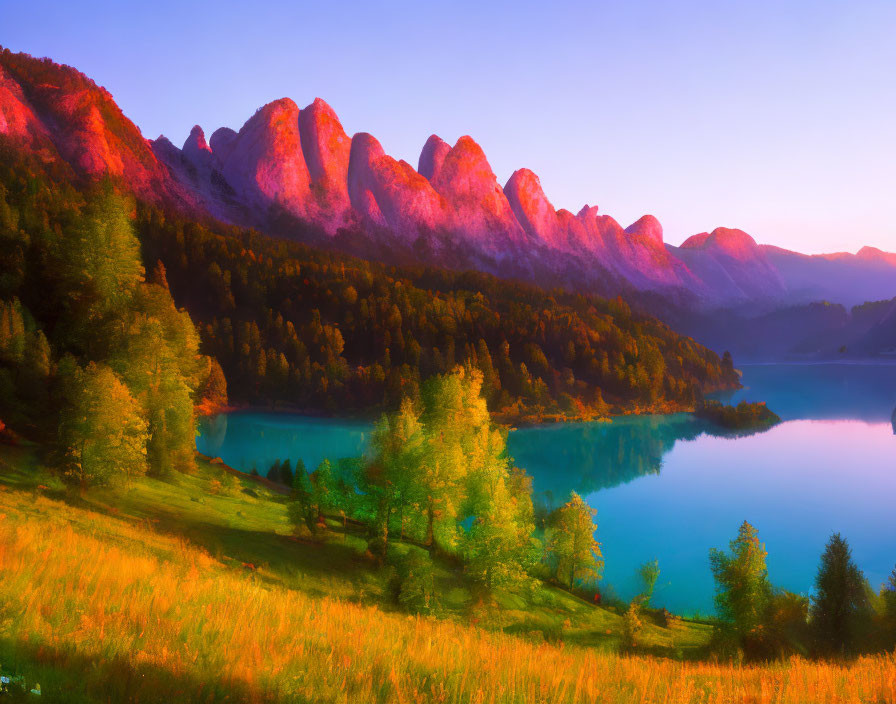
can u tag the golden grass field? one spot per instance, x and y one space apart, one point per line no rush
106 607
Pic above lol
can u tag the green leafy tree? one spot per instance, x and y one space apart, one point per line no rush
839 605
417 588
742 587
888 592
301 509
571 542
648 573
888 600
102 432
397 467
158 356
461 444
499 547
323 494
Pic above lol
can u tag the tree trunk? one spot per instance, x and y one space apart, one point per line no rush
430 520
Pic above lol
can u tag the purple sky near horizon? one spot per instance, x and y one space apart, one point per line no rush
775 117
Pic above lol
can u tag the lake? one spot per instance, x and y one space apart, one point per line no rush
671 487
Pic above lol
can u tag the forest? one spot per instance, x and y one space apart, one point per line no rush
324 331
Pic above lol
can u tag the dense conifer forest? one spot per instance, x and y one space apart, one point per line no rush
324 332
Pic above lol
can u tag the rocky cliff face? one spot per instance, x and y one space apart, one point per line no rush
287 164
61 114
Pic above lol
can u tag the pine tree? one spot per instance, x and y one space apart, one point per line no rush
840 603
301 508
100 260
742 587
286 476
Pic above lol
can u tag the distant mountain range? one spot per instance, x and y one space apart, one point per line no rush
811 331
296 173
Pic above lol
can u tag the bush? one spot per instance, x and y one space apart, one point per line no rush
632 626
416 582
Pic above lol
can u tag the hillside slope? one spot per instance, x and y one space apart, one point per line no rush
159 603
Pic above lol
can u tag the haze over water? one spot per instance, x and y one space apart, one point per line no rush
671 487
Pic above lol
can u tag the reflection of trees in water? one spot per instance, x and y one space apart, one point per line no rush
590 457
213 431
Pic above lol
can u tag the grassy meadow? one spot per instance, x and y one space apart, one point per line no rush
176 593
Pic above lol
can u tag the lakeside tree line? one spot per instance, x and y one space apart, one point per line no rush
844 617
438 475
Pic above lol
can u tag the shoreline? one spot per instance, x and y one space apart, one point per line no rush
508 421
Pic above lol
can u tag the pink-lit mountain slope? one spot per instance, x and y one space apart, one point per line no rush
295 172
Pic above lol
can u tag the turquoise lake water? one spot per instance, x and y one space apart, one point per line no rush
671 487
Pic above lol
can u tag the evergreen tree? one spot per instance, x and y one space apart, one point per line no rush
99 259
301 508
840 603
286 476
742 587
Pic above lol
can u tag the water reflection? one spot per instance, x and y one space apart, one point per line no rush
250 439
589 457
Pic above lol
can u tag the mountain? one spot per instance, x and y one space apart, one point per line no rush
814 331
296 173
849 279
62 116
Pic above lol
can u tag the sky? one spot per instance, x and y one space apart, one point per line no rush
775 117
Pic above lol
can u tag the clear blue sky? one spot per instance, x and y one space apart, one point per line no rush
775 117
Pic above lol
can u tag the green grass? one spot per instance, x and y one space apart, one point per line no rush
253 533
146 593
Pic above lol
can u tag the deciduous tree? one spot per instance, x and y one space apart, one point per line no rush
102 431
571 541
